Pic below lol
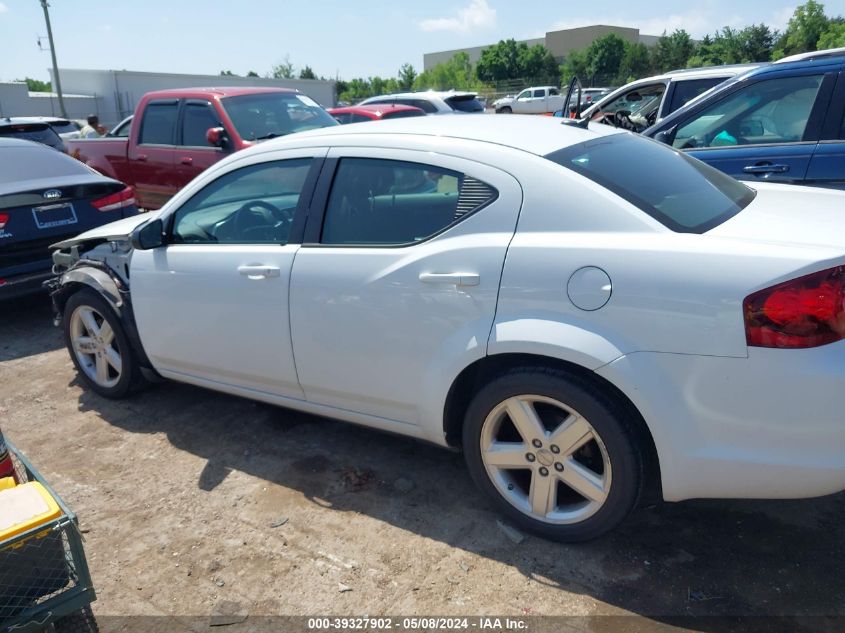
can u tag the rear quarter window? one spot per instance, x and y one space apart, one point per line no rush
680 192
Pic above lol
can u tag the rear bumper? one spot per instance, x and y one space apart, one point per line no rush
768 426
25 284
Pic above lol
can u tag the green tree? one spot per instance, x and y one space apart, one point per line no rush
635 63
36 85
457 73
307 73
537 63
672 51
500 61
283 70
833 37
805 28
605 55
574 65
407 76
758 42
227 73
252 73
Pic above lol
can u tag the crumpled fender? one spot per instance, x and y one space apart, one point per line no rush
108 286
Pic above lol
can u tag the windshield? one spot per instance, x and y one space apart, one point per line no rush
680 192
271 114
64 127
465 103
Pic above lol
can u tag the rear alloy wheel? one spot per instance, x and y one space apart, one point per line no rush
553 454
98 346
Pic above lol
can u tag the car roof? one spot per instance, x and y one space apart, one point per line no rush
536 135
223 91
812 55
374 108
23 120
442 94
7 142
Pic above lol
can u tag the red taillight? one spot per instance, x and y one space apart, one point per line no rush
805 312
4 217
123 198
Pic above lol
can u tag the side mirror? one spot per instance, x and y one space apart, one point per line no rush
148 236
666 136
217 136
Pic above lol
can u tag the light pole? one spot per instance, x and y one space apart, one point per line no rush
56 79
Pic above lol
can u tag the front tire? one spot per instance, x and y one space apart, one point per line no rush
98 346
505 110
553 453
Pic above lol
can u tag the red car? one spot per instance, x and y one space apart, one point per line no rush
176 134
374 112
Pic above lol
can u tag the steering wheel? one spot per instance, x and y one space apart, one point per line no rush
607 118
260 220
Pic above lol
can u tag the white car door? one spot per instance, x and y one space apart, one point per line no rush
400 283
538 101
212 303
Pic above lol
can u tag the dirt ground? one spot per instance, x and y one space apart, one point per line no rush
189 498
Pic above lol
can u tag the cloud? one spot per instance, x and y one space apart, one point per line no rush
780 18
697 22
476 15
3 8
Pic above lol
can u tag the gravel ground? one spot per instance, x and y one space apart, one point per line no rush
192 499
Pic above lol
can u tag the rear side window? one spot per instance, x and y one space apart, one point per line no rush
401 114
687 90
680 192
198 118
158 124
395 203
468 103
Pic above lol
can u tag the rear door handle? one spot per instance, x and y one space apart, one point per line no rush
766 168
457 279
186 160
259 271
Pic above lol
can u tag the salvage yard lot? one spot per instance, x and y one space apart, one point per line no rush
189 498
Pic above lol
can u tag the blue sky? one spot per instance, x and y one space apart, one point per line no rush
351 37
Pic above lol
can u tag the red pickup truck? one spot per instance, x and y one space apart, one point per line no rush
176 134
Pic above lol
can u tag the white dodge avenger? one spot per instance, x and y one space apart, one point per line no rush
592 317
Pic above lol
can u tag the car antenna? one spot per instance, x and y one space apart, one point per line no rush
574 83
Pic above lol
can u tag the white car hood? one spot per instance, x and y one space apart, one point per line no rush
790 215
120 229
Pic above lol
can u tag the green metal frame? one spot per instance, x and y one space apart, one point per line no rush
71 599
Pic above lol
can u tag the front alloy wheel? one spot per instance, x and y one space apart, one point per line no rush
98 346
93 343
557 454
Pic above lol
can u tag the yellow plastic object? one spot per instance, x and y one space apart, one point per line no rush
25 507
7 482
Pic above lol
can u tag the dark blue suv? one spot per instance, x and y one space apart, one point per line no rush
783 122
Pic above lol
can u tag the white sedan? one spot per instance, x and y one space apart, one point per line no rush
591 316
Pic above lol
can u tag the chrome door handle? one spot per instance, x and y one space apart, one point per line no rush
766 169
259 272
458 279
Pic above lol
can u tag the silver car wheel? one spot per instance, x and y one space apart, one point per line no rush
545 459
95 347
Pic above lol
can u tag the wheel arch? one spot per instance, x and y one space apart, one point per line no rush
472 377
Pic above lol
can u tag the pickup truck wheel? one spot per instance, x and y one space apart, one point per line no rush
98 345
553 453
505 110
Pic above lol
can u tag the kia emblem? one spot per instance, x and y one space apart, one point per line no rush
52 194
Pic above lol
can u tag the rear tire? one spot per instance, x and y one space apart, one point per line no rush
553 453
98 346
